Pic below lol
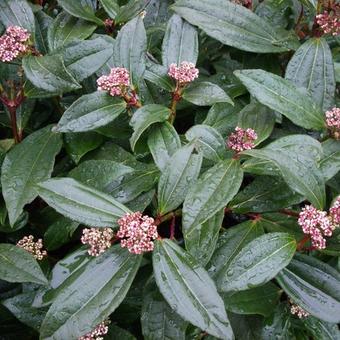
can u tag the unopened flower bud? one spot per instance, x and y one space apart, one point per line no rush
298 311
116 82
137 232
98 332
99 239
34 248
242 139
334 212
185 73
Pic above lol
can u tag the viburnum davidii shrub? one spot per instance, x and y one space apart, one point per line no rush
170 169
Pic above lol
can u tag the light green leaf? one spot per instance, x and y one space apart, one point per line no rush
180 42
257 263
314 286
283 96
89 296
189 290
144 117
91 111
211 192
163 142
27 164
80 202
17 265
49 74
312 67
178 176
234 25
205 94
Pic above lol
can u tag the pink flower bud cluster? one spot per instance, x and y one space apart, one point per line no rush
98 332
13 43
334 212
317 224
245 3
329 21
185 73
333 118
34 248
137 232
298 311
116 82
99 239
242 139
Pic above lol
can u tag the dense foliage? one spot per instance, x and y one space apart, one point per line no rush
170 169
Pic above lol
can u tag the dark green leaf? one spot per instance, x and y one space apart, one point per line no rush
208 141
265 193
212 192
312 67
283 96
144 117
80 202
180 42
66 29
205 94
234 25
202 243
27 164
158 75
330 162
301 176
111 7
260 300
159 321
17 13
257 263
314 286
130 10
84 58
259 118
163 142
49 74
59 233
320 329
189 290
42 24
79 307
21 306
91 111
178 176
130 47
230 244
17 265
81 9
79 144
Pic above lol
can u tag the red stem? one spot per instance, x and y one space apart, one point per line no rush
289 212
172 227
302 242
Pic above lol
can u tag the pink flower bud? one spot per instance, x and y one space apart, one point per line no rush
13 43
298 311
34 248
317 224
137 232
334 212
329 21
185 73
333 118
99 239
98 332
114 83
241 139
